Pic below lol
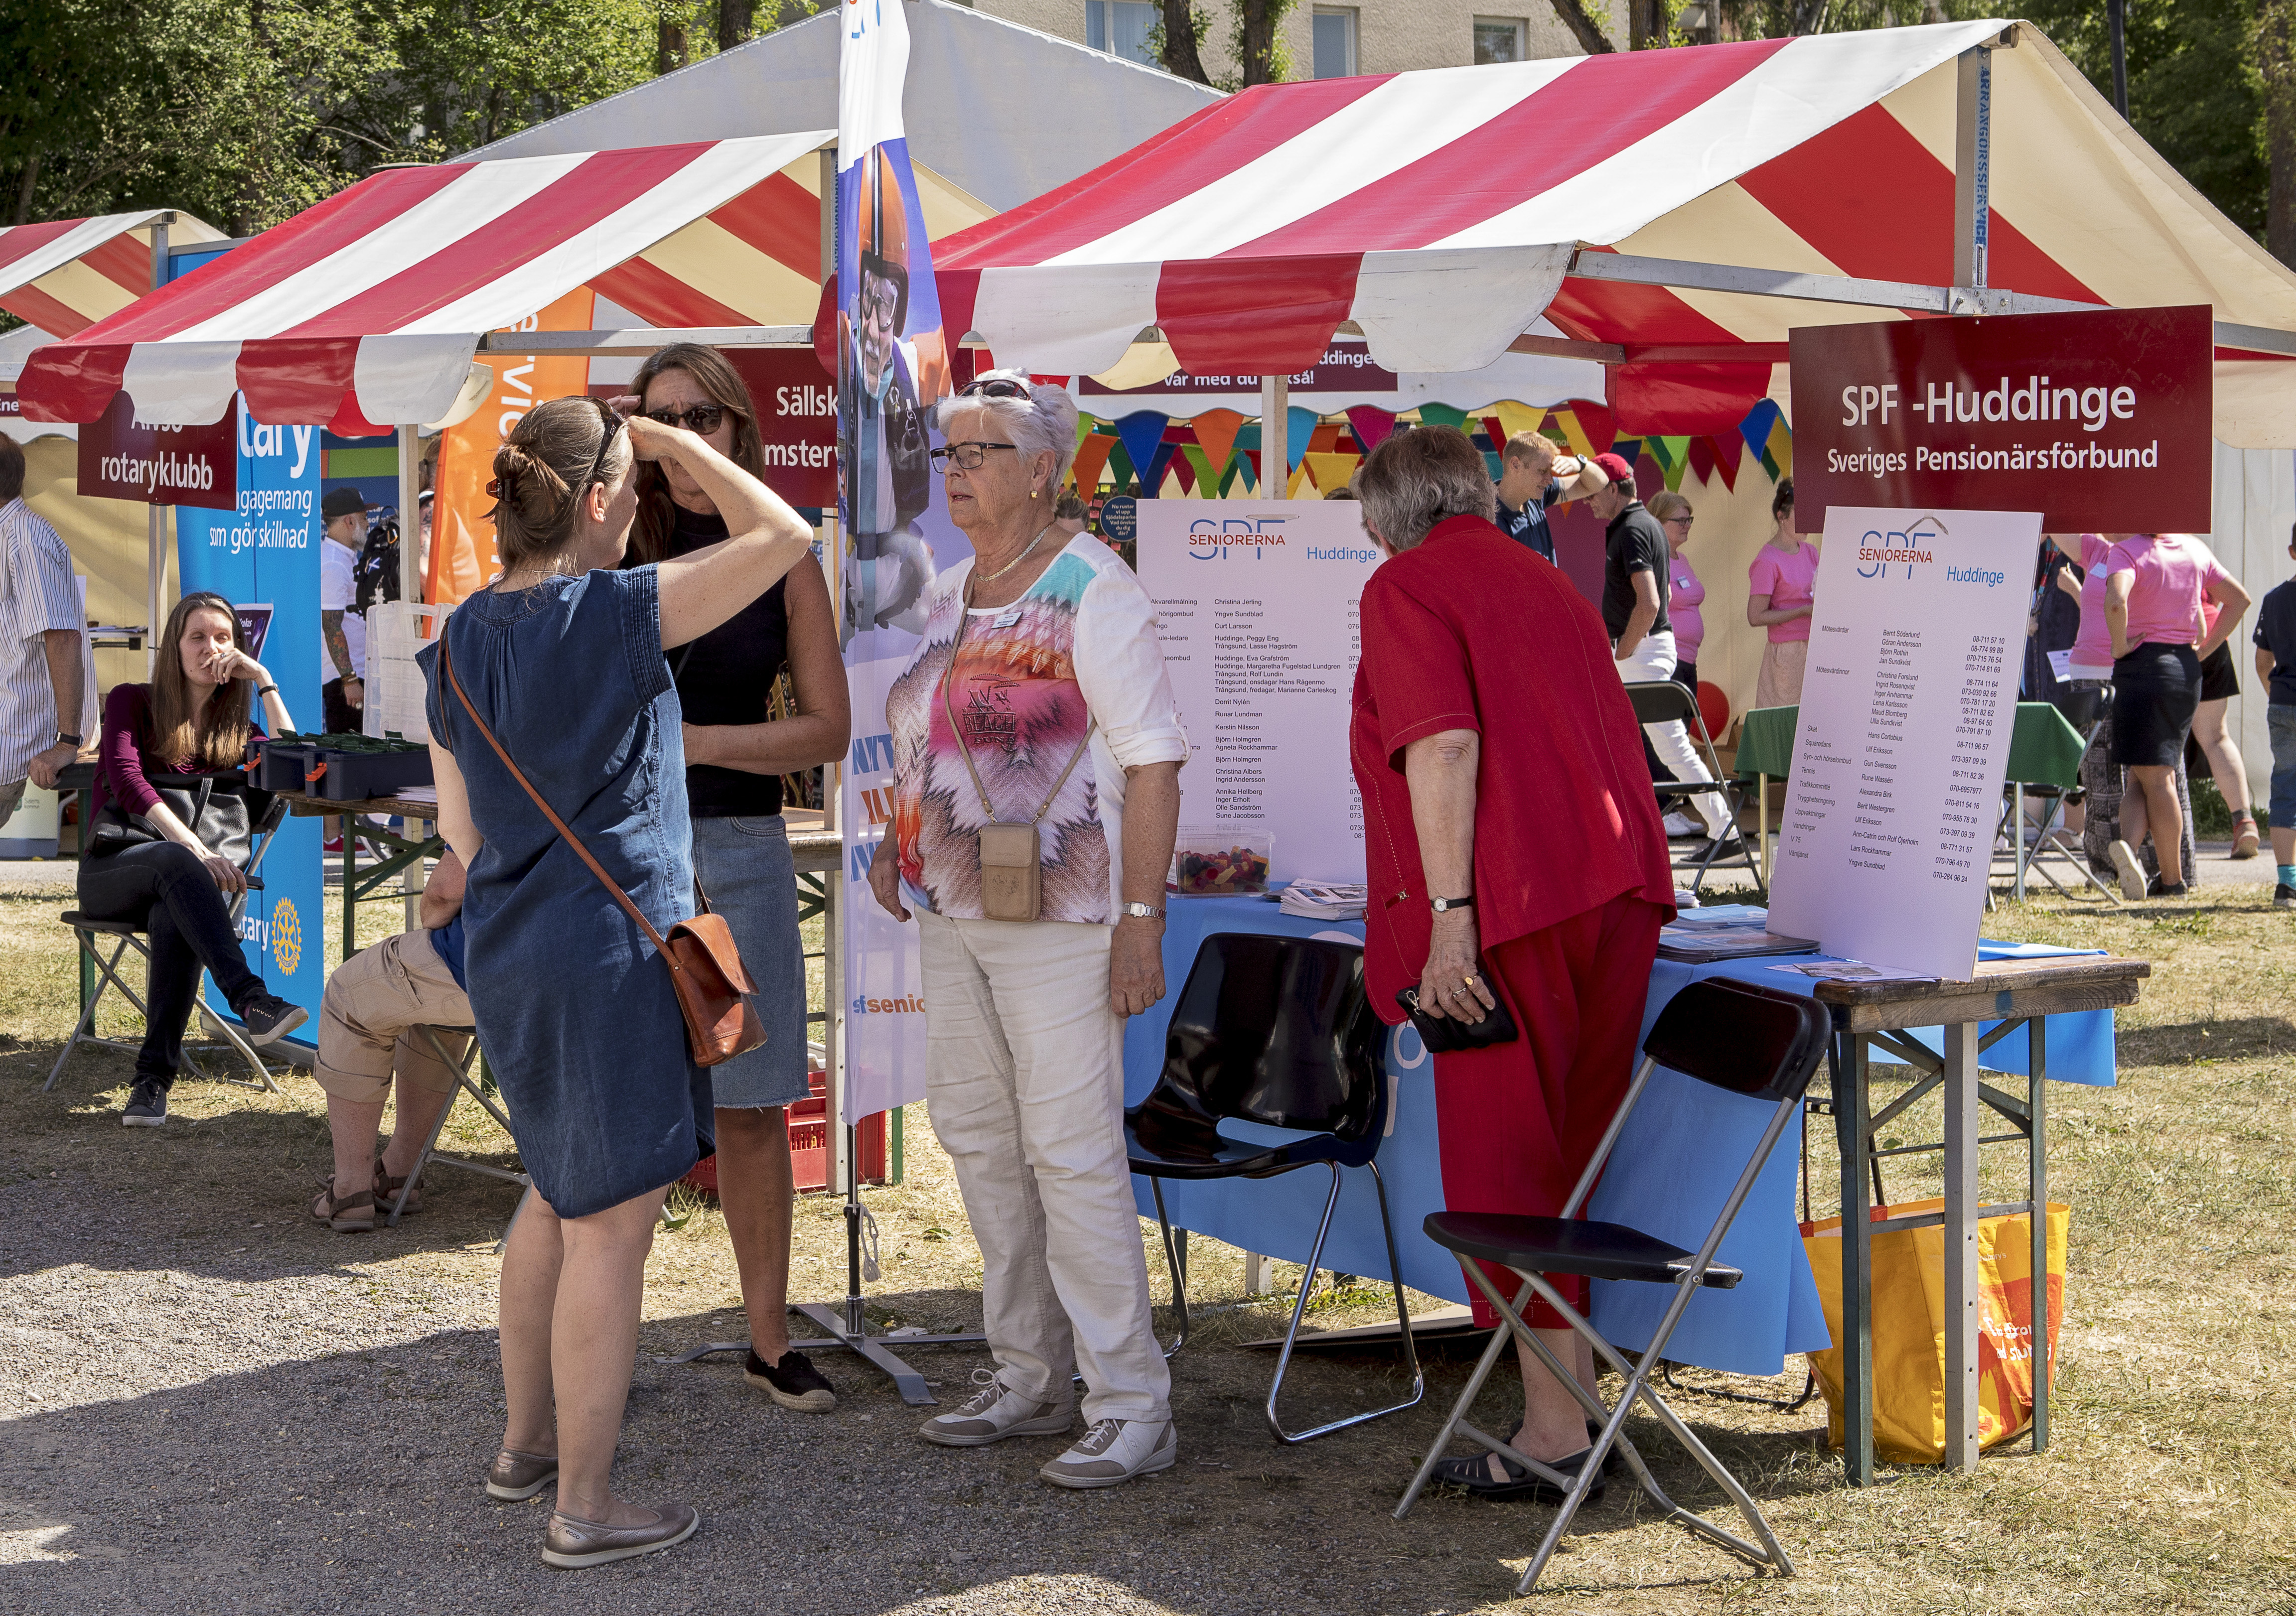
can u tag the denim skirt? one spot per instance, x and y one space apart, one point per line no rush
746 867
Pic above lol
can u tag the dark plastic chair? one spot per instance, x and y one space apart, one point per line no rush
85 930
1665 702
1759 1042
1274 1030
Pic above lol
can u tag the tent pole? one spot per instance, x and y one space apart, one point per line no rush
410 515
1275 461
1972 158
155 523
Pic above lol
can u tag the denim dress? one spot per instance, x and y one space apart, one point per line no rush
574 1006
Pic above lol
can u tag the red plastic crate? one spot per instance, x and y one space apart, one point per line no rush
809 1152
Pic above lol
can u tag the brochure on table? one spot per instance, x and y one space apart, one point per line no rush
1255 603
1903 745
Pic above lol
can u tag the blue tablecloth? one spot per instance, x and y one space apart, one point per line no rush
1682 1151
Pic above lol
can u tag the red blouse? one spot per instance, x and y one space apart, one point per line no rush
1472 631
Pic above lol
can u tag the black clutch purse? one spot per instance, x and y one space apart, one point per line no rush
1448 1034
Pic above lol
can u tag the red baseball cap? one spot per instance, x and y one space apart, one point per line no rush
1615 468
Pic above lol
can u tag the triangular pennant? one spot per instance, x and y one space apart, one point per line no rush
1299 478
1236 474
1121 472
1439 415
1755 429
1566 422
1202 462
1780 451
1332 471
1184 466
1092 454
1142 434
1514 418
1494 431
1677 460
1595 420
1298 427
1216 429
1373 426
1085 426
1662 451
1628 449
1702 459
1729 450
1160 467
1326 438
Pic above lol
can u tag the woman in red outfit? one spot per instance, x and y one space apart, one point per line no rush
1502 774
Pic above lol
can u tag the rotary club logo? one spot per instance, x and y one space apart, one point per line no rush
286 935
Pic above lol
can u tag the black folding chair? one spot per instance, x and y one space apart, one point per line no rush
1754 1041
1275 1031
465 1083
85 930
1665 702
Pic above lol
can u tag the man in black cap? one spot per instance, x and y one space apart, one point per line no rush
342 631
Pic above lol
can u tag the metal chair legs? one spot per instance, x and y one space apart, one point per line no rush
1175 1260
83 1029
429 1154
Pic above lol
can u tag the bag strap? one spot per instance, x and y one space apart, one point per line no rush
447 666
948 700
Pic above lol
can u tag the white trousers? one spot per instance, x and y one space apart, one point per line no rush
1654 659
1024 1077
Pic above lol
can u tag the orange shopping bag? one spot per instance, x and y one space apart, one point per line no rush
1908 1316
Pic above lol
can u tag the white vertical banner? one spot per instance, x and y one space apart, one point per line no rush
1902 747
892 362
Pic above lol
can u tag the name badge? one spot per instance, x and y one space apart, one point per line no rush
1006 619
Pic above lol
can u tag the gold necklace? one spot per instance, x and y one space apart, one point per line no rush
990 577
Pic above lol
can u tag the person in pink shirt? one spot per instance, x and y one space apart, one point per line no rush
2154 584
1684 593
1782 588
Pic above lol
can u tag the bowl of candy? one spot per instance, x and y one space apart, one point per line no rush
1220 861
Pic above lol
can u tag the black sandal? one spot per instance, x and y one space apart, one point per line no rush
1473 1472
386 1190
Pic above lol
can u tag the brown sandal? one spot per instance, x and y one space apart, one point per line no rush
345 1214
386 1190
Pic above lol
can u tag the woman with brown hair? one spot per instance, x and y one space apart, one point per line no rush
560 664
736 753
143 863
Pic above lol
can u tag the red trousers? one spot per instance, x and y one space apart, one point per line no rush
1518 1122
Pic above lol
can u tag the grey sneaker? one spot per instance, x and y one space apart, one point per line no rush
147 1105
1114 1451
996 1412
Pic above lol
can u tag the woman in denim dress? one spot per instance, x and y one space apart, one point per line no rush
562 657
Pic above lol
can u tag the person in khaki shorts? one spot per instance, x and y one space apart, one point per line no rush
371 1026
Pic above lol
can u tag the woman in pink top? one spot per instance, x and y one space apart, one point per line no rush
1782 586
2154 583
1684 593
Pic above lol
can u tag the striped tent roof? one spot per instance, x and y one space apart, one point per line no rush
67 274
364 310
1440 211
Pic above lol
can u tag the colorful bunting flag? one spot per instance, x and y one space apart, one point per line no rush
1216 429
1566 422
1332 471
1513 418
1729 449
1298 426
1091 455
1372 427
1439 415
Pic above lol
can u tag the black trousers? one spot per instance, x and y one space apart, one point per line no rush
168 891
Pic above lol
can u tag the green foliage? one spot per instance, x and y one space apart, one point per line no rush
245 112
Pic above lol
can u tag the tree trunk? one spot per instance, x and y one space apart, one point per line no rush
1255 43
32 180
1181 56
2275 61
669 47
737 23
1584 28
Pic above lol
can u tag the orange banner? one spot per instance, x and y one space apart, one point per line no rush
463 555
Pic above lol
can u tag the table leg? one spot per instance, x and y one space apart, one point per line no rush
1961 1284
1853 1133
410 880
2017 837
2038 1192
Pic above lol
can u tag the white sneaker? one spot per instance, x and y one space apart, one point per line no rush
1114 1451
996 1412
2132 883
1679 823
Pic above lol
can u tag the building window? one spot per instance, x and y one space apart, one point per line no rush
1501 39
1335 41
1120 28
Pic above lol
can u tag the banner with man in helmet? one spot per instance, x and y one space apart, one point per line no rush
892 363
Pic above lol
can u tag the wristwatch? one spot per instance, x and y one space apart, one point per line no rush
1138 911
1442 905
74 741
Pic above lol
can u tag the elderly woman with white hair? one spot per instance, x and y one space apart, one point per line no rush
1037 755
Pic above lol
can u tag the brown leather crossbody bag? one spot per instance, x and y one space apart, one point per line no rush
713 986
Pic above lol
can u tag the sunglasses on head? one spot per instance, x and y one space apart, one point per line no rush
994 387
701 418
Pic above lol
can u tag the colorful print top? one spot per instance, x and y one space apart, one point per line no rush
1033 678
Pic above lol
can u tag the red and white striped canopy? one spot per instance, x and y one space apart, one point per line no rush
364 311
66 275
1438 211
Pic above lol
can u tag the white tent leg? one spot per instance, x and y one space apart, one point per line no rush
1274 460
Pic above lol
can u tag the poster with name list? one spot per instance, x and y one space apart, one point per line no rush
1256 606
1915 646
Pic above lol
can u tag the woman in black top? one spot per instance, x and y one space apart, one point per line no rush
735 755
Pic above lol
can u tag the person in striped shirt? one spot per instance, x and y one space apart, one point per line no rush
41 688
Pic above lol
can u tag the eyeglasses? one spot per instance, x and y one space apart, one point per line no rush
994 387
966 456
1678 521
613 428
702 418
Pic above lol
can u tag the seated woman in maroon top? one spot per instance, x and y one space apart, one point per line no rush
190 719
1499 760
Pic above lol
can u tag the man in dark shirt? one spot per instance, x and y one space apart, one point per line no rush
1634 611
2276 666
1533 475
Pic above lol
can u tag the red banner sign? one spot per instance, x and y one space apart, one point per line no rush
2099 420
796 421
121 457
